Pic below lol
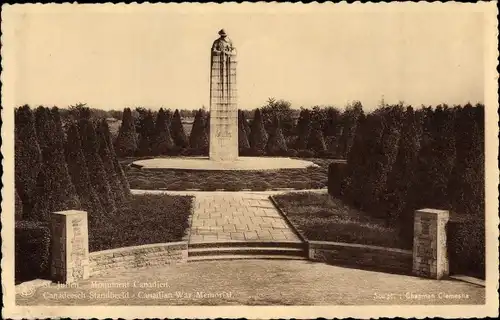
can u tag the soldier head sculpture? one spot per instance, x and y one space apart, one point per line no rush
222 33
223 45
223 106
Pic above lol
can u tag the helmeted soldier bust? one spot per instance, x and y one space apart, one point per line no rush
223 45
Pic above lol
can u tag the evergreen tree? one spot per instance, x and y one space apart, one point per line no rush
118 167
146 135
332 122
28 157
107 160
126 142
383 155
177 131
258 135
164 143
403 171
54 189
276 143
358 161
315 141
98 176
79 173
436 161
303 129
466 187
243 143
198 138
332 131
349 121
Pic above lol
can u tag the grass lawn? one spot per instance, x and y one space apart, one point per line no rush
320 217
144 219
168 179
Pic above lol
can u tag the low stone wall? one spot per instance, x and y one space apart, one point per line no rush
102 262
362 256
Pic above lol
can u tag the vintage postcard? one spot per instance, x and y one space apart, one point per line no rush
255 160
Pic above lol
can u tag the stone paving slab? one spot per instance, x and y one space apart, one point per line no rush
236 217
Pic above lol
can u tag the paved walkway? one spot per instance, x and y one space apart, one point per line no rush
237 216
256 282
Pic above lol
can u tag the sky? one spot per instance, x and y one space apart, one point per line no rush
112 57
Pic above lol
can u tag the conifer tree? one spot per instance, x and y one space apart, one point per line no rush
118 167
258 135
402 174
316 141
331 130
198 138
436 161
276 144
28 157
79 173
332 122
349 121
358 161
107 160
243 143
303 129
466 186
177 131
383 155
98 176
146 135
54 189
126 142
163 143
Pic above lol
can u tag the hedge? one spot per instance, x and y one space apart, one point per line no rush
143 219
32 250
466 247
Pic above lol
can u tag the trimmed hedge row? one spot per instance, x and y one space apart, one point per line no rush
32 250
466 247
402 160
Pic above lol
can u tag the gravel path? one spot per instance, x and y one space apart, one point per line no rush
257 282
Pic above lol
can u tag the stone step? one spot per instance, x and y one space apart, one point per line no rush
243 243
268 251
243 257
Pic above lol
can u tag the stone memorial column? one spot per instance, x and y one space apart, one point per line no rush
70 246
430 257
223 100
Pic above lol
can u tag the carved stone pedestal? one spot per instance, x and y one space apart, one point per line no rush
70 246
430 257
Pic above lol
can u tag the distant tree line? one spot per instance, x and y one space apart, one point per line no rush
273 130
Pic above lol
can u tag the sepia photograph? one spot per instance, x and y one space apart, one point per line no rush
256 160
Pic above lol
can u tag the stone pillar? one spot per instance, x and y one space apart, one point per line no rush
70 246
336 171
223 104
430 257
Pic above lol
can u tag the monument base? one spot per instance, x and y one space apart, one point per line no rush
205 163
